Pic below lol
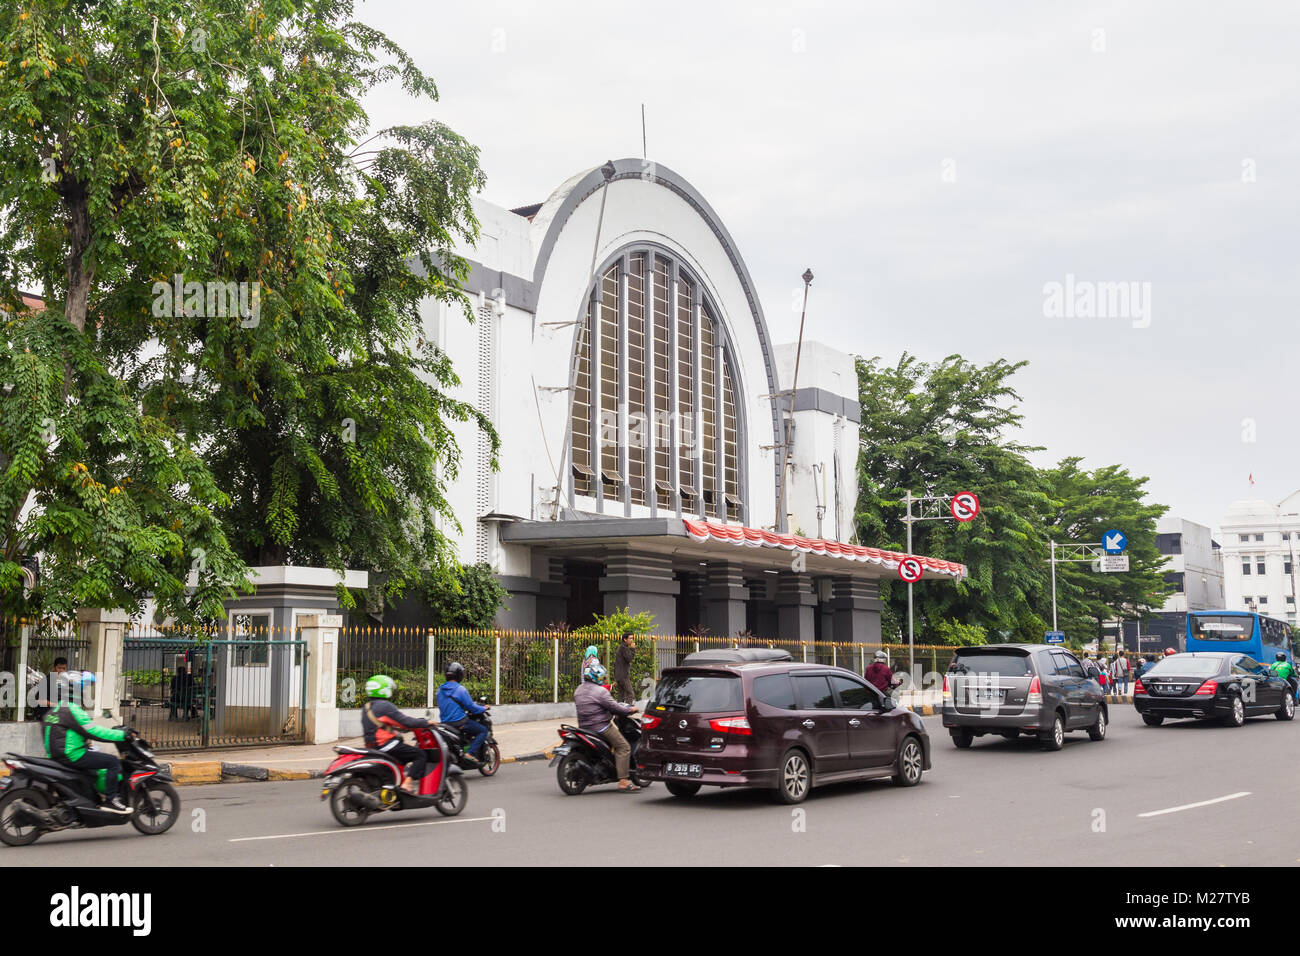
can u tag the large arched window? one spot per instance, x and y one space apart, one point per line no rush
654 416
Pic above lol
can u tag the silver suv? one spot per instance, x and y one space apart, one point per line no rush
1014 689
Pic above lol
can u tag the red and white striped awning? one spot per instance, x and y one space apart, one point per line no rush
754 538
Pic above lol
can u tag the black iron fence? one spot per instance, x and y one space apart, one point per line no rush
194 691
30 654
524 667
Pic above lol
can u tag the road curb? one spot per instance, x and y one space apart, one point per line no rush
521 758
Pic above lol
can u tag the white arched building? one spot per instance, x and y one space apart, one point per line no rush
621 351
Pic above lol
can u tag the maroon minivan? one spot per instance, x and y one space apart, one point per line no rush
756 718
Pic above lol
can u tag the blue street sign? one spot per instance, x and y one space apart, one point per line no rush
1054 637
1114 542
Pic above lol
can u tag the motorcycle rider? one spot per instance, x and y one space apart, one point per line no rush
454 707
1284 669
68 725
382 725
595 706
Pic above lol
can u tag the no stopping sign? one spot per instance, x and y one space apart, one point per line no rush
909 569
965 506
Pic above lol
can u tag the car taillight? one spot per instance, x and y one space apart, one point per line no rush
947 691
1208 689
731 725
1035 693
650 723
1138 688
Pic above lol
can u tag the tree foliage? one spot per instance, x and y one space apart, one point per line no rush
218 147
949 426
938 429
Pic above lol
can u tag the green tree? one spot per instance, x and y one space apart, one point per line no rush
117 504
1084 506
467 598
938 429
223 144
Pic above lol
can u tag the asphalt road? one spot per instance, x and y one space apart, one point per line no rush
1001 802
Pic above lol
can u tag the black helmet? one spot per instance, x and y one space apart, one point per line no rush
1281 656
454 672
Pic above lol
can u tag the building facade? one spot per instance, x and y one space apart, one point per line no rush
1259 556
1194 566
621 350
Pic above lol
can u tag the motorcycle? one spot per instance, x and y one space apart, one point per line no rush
458 740
586 759
361 782
41 796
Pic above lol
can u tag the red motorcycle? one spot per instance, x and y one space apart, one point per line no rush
361 782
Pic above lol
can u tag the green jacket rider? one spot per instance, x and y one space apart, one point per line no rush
67 728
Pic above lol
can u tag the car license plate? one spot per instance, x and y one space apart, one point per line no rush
988 696
683 770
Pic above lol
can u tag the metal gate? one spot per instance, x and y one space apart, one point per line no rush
187 694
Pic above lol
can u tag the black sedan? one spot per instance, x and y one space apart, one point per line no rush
1231 687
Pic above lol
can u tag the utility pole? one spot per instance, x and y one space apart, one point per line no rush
930 510
785 446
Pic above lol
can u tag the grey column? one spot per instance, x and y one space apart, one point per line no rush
765 618
552 595
642 581
725 595
796 602
856 605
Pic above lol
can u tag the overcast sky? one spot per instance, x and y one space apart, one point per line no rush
938 165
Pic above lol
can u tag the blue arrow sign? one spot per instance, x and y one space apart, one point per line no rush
1114 542
1054 637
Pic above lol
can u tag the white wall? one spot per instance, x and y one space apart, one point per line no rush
1260 519
533 354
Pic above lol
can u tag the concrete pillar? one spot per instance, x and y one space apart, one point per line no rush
104 631
725 595
552 594
796 602
641 581
519 611
762 594
320 671
856 605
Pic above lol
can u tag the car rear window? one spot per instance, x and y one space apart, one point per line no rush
775 691
1180 665
1003 665
699 693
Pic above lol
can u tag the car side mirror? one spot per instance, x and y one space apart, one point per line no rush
887 703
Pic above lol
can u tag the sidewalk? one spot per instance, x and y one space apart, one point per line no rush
532 740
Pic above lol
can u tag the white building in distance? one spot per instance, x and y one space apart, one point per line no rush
1259 556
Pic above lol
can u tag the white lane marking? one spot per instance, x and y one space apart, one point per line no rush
1193 806
390 826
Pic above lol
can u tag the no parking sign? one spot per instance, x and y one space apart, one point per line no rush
965 506
909 569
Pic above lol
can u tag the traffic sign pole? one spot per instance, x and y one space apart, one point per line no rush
911 647
1053 585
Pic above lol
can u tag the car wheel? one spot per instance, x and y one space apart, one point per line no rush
1151 720
962 739
909 764
1288 708
1235 717
680 788
795 780
1098 731
1054 739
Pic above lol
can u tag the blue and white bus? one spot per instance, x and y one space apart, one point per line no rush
1242 632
